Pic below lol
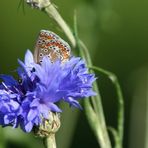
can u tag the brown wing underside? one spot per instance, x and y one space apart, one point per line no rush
51 45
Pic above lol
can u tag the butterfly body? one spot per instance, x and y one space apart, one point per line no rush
51 45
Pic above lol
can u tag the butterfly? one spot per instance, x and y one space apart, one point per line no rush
51 45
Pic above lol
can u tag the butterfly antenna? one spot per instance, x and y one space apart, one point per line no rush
21 3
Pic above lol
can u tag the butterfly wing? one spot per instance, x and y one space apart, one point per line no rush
51 45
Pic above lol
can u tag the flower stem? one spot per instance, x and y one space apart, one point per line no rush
120 122
98 124
54 14
94 114
50 141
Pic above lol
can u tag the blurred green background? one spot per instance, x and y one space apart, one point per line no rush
116 34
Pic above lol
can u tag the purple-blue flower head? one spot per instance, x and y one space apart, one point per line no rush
40 87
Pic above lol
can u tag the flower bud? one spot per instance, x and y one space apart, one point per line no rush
48 126
40 4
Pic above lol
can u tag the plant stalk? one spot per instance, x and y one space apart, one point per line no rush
98 124
95 114
50 141
54 14
120 122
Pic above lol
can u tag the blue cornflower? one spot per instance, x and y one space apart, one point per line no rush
27 101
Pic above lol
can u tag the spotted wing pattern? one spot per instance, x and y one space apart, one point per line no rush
51 45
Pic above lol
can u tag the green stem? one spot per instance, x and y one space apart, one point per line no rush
84 54
115 81
50 141
100 127
146 120
2 139
54 14
96 126
95 116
